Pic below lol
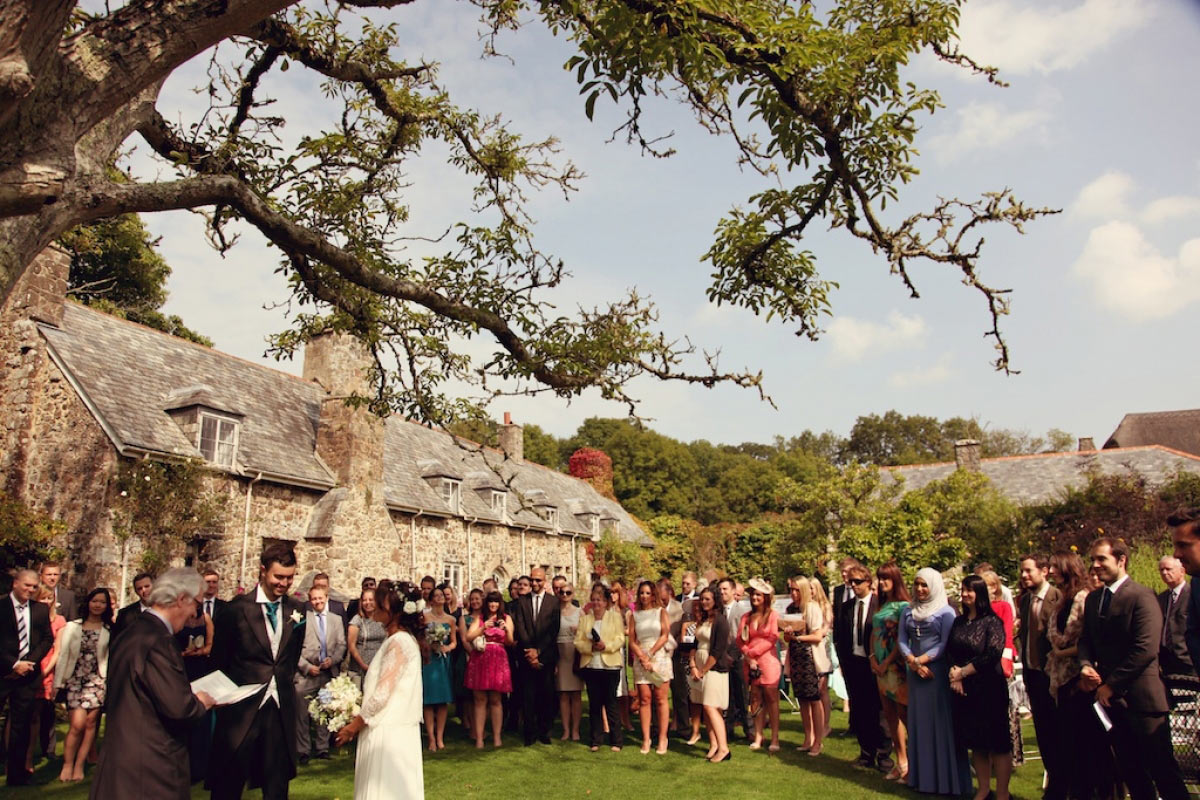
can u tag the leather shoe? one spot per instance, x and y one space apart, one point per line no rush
302 760
324 755
544 739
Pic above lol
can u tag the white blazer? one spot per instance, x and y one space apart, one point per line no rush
68 652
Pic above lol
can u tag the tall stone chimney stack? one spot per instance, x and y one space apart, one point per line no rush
966 454
41 292
512 439
1087 444
349 439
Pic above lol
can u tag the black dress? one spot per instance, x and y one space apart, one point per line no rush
981 713
802 670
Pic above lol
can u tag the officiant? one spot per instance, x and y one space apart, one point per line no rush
150 705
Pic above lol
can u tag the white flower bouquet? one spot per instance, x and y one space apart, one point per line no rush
338 702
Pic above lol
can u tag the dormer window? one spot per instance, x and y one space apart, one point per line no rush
608 525
218 439
500 503
452 494
550 514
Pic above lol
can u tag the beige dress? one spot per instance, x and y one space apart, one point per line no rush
648 626
566 678
713 689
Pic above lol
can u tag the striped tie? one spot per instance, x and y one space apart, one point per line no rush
22 633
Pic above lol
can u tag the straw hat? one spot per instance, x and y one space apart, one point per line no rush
759 585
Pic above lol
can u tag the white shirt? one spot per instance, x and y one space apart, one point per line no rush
1175 592
860 604
260 597
22 611
537 603
163 619
1112 587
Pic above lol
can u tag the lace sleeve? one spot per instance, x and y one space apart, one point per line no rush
392 665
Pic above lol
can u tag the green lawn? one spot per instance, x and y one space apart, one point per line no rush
569 770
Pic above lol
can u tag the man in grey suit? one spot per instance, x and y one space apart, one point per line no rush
1173 656
320 660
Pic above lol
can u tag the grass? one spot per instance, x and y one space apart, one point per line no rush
568 770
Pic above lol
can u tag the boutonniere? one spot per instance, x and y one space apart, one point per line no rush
297 619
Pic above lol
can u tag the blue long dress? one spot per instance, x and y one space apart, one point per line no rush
936 762
436 684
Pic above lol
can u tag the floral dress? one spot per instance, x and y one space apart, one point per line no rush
885 639
802 669
85 687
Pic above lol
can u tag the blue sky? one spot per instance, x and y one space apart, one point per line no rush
1100 120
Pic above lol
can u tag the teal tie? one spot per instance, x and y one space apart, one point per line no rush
273 614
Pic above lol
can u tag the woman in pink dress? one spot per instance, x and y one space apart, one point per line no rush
757 635
488 675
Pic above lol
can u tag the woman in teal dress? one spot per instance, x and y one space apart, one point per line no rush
888 663
437 686
937 764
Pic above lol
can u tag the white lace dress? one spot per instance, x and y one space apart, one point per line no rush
388 763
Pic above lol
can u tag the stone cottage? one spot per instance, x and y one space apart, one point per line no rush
356 495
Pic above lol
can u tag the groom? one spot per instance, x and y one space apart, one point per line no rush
257 639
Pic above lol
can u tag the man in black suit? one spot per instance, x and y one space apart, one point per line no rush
25 639
150 704
1185 536
853 645
50 574
257 640
536 622
142 582
1038 603
1173 657
1118 648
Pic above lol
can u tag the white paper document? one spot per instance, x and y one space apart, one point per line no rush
225 692
1103 715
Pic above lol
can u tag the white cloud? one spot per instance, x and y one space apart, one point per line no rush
1022 37
1104 198
921 376
1168 209
986 126
1131 276
853 339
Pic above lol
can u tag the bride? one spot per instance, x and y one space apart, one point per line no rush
388 763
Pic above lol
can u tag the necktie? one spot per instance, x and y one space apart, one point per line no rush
273 614
537 605
858 622
1166 634
22 633
208 607
1105 601
321 634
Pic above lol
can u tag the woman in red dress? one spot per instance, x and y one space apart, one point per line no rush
488 675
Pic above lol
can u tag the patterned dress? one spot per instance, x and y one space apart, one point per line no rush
488 671
802 669
885 637
85 687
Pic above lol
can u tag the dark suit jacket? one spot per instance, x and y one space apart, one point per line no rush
67 603
150 707
843 637
242 651
540 633
1123 646
1035 648
40 639
124 617
1174 658
1192 635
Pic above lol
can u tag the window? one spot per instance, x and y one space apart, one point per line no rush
452 494
218 439
453 575
550 514
608 525
500 503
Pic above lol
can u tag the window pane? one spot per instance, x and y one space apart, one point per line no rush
208 437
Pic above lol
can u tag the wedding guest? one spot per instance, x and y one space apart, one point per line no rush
757 637
1035 607
887 662
567 680
535 626
862 688
689 584
150 703
1173 655
1184 526
802 668
194 641
648 633
619 599
142 582
352 610
320 662
427 586
50 575
600 642
1084 744
737 712
25 639
82 668
980 693
332 604
437 688
1118 651
936 764
1004 610
488 674
466 652
678 683
211 602
838 595
452 607
42 718
710 671
364 636
828 668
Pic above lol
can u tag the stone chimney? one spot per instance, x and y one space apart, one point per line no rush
966 454
41 291
1087 444
349 439
512 439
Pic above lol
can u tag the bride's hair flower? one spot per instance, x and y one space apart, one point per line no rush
421 604
410 607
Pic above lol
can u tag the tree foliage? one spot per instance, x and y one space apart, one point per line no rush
116 268
892 439
812 97
26 536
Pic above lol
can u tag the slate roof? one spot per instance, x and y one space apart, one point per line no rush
129 376
1179 430
1037 478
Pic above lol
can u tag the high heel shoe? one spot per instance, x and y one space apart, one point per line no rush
727 757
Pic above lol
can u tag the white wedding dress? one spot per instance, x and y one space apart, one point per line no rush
388 764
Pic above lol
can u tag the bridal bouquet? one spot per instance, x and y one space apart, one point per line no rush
336 703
